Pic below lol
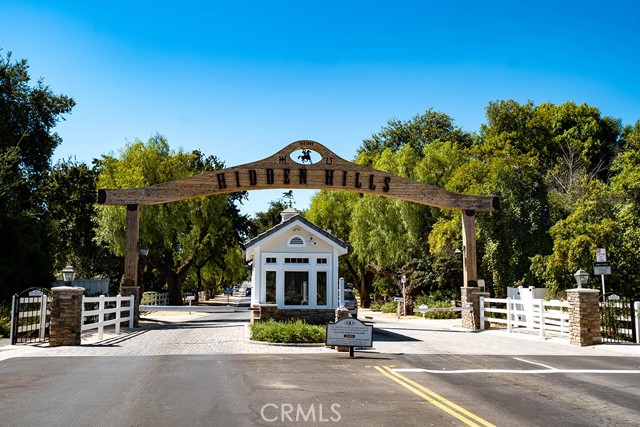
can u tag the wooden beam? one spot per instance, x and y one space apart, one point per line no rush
281 171
470 272
131 246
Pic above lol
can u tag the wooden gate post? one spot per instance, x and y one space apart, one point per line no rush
129 285
470 271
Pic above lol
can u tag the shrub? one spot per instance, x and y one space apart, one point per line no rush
375 305
290 332
5 320
385 307
431 302
389 307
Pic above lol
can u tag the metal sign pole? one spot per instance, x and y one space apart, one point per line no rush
404 295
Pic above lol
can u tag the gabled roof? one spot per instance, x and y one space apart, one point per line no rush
251 244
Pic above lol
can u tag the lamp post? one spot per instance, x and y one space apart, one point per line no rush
458 254
144 251
68 275
582 277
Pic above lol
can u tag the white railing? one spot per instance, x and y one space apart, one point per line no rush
106 316
545 316
155 299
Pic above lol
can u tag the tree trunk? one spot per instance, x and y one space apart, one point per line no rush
364 278
175 291
174 278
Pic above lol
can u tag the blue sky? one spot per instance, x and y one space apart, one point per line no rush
241 80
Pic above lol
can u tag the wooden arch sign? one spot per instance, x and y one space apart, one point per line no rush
287 169
302 164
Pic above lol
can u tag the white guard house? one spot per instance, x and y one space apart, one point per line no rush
294 271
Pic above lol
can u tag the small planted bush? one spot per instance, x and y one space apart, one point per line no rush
289 332
5 320
431 301
385 307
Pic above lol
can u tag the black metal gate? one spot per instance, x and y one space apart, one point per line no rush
618 320
30 316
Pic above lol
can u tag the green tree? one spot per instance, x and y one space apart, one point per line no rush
570 144
391 236
625 184
69 193
268 219
332 210
178 234
541 161
28 113
575 239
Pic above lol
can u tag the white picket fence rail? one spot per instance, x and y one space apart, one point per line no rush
155 299
109 312
544 316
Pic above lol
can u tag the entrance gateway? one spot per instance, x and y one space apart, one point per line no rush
315 168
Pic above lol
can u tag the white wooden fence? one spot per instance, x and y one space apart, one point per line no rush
109 312
544 316
155 298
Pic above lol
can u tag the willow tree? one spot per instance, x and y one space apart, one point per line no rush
390 236
178 234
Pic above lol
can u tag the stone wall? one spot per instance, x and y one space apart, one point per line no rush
66 316
311 316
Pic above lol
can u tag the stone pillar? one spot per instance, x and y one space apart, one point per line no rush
66 316
584 317
126 291
341 313
470 297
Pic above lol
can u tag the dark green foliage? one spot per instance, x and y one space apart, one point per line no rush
290 331
5 320
436 300
268 219
28 114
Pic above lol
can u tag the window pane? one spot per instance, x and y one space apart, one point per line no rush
296 288
322 287
271 288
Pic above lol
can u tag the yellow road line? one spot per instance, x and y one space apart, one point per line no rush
434 398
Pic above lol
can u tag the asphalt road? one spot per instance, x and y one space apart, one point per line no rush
330 389
376 388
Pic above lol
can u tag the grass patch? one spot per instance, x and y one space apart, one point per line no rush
288 332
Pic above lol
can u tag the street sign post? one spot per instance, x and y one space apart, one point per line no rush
403 279
601 266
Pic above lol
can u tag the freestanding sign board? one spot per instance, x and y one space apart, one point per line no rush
601 268
349 332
